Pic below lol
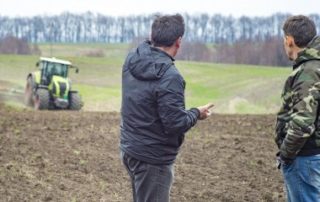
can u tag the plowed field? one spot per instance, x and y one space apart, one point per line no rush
74 156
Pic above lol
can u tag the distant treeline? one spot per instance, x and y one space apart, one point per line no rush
210 38
90 27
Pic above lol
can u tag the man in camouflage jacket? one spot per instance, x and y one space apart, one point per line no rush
298 124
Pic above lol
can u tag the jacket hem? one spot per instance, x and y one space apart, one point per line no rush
309 152
146 160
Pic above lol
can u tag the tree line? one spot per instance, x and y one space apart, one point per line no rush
91 27
210 38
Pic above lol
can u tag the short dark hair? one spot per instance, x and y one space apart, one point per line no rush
301 28
166 30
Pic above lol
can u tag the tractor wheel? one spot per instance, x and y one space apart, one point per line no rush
28 92
74 101
41 100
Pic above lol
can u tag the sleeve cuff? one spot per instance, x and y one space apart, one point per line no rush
196 111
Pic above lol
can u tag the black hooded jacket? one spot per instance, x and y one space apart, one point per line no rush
153 115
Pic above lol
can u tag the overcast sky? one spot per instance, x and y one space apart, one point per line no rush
128 7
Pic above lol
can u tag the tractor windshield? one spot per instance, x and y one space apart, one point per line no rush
57 69
50 69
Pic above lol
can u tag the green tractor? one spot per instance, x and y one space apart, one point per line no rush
50 87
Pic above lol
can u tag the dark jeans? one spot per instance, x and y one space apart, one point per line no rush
150 183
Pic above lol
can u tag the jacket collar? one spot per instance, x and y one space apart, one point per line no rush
311 52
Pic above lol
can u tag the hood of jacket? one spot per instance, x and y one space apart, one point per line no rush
148 62
311 52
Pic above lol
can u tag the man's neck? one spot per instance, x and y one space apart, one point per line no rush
169 50
296 52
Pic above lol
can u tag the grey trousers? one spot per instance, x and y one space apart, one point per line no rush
150 183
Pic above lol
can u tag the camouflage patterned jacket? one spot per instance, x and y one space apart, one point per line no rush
298 124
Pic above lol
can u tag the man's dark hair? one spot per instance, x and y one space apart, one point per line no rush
166 30
301 28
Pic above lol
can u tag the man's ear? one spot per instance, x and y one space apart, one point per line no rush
178 42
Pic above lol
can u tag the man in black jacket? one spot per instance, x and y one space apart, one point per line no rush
153 115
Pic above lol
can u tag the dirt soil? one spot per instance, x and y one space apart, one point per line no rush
74 156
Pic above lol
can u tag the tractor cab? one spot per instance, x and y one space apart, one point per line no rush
50 67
